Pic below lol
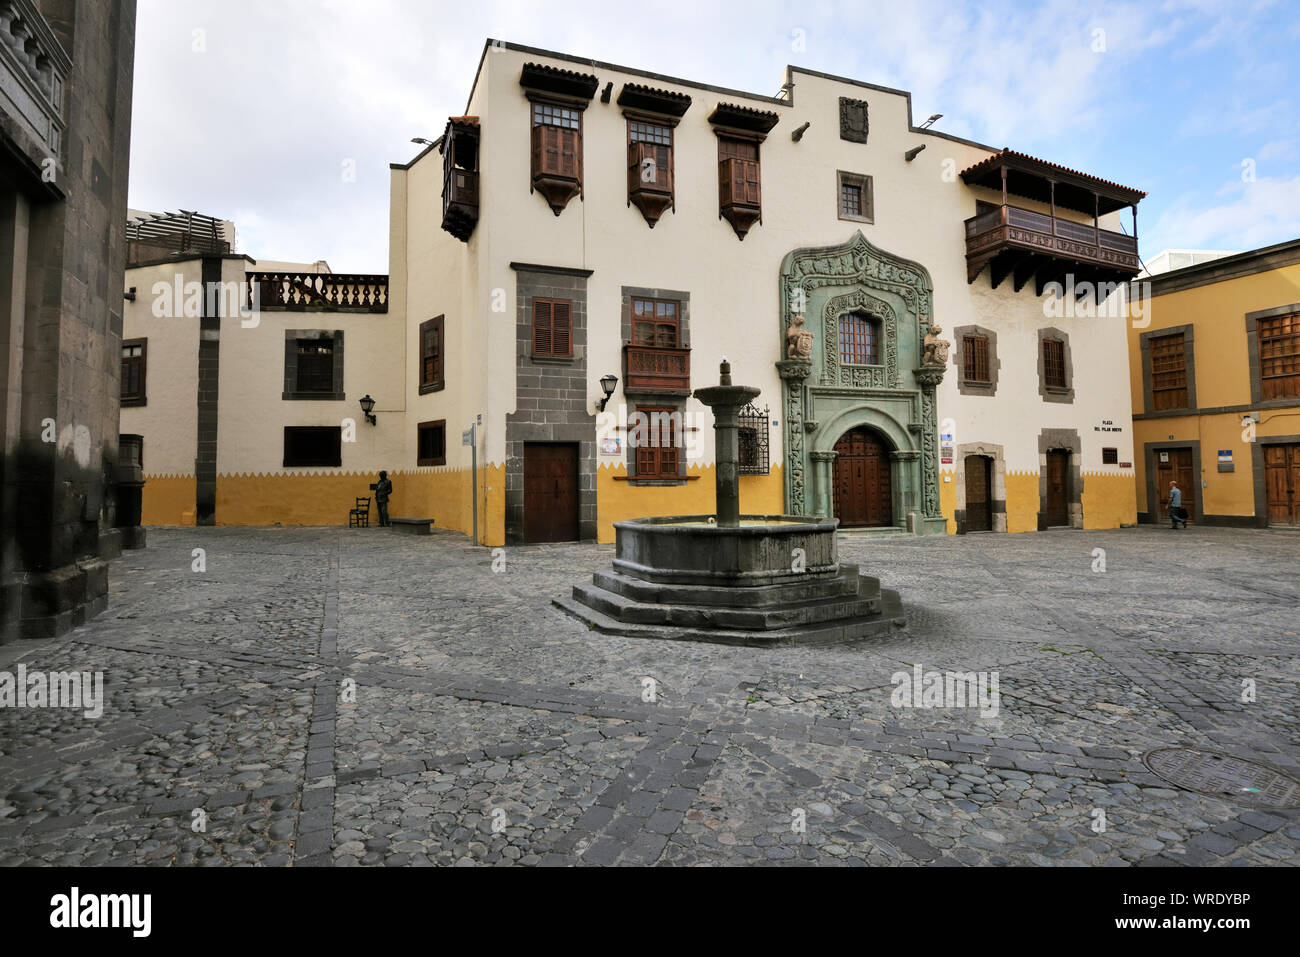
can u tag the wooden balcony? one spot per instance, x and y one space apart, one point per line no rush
320 292
460 148
459 202
1024 244
656 370
1021 243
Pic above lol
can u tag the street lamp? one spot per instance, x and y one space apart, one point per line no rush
607 383
367 406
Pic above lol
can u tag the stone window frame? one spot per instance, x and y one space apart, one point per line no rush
970 386
1056 393
682 298
864 183
429 426
1187 331
291 337
141 398
1252 349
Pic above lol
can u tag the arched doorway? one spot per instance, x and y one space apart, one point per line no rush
862 489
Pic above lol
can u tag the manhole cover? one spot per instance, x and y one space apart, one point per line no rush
1222 775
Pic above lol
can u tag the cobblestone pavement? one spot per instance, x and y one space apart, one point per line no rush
489 728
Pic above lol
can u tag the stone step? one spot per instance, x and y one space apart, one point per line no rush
826 633
845 585
628 610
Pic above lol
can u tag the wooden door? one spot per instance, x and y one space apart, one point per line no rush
1177 468
1057 511
862 488
979 493
1282 483
550 492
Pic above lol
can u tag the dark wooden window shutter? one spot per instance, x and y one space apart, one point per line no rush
553 328
1054 363
976 349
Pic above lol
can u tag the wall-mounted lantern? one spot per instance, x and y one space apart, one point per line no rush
608 383
368 406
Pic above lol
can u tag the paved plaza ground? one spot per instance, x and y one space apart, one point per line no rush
335 696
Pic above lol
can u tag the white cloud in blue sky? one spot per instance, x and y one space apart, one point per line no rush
256 126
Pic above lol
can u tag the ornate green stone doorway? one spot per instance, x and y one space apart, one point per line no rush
853 323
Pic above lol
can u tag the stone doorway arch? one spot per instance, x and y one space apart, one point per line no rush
997 489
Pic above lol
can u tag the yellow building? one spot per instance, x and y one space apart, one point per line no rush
1215 366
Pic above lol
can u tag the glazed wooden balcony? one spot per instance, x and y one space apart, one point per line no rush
323 292
459 202
655 369
1022 242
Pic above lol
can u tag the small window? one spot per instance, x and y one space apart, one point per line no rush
859 340
752 437
856 202
1054 363
553 328
551 114
1110 456
656 323
656 436
432 443
1168 372
134 357
308 447
432 374
1279 357
315 366
975 354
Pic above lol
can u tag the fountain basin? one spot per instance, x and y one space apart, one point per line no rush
762 550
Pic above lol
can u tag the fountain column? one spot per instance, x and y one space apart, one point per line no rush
725 401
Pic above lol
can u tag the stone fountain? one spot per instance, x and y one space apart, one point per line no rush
729 578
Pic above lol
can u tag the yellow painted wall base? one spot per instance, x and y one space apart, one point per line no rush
618 500
167 500
1108 500
324 498
948 498
1022 501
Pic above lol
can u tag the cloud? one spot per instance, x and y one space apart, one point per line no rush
1246 216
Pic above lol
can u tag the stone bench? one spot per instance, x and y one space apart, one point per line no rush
413 526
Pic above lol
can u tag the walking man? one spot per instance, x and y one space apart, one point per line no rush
383 489
1176 513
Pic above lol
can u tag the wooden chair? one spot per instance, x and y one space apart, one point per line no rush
359 517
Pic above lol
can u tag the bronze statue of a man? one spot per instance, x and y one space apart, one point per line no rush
383 489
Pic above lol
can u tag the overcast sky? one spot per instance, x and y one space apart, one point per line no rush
250 109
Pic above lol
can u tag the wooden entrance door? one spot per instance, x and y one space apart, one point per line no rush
979 493
1176 468
550 492
863 493
1282 482
1057 509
